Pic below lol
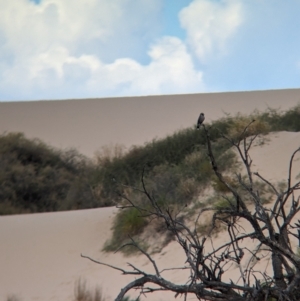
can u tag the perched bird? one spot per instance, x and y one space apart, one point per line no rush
200 120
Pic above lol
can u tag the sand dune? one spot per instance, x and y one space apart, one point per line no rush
40 253
88 124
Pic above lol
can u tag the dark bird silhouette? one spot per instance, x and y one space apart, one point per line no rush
200 120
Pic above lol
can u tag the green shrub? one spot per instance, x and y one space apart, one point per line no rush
37 178
224 204
287 121
128 223
240 122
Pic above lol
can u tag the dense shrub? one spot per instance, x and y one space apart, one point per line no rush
37 178
287 121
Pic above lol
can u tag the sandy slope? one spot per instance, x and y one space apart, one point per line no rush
88 124
40 253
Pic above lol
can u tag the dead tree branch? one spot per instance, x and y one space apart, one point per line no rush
270 230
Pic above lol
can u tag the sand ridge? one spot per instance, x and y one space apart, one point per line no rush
40 253
89 124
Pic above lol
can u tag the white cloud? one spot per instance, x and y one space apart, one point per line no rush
58 74
171 70
210 24
95 26
60 49
171 65
97 48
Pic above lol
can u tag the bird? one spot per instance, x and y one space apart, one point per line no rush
200 120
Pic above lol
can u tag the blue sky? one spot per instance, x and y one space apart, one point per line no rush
58 49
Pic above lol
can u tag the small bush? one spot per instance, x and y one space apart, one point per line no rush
287 121
128 223
224 204
236 130
83 294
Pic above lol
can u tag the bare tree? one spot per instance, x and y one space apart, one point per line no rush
272 228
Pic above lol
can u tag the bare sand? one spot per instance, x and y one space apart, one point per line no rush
89 124
40 253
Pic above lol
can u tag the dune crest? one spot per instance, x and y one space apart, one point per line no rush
89 124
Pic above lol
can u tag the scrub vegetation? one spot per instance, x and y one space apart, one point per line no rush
177 168
36 177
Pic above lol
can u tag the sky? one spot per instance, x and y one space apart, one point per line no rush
62 49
